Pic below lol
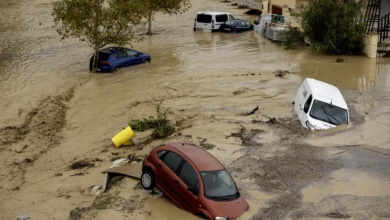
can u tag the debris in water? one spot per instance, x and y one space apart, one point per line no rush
22 217
281 73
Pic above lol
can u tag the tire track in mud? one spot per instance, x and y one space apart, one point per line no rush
283 167
280 168
21 145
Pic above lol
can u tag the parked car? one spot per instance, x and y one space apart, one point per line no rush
320 105
194 180
113 58
236 26
210 21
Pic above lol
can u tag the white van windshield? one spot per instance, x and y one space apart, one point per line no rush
329 113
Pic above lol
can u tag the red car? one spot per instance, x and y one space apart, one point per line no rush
194 180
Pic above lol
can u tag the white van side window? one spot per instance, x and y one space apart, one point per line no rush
221 18
306 107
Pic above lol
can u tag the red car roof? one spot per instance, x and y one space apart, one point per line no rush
202 159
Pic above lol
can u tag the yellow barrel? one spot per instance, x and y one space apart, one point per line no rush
123 137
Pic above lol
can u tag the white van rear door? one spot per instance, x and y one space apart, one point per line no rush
203 22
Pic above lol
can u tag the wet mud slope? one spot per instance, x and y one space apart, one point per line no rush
23 144
285 167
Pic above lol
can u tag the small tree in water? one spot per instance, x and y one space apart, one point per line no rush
99 22
334 26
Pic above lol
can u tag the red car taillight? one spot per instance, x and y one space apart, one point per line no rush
105 63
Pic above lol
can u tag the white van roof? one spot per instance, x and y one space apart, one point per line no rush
212 12
325 92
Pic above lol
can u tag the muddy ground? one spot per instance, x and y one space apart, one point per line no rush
226 94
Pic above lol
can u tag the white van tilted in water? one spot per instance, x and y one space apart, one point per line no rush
320 105
210 21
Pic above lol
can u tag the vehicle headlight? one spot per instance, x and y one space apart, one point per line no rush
310 126
220 218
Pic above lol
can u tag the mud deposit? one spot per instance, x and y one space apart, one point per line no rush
226 94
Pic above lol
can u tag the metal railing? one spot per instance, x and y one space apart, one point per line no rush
377 18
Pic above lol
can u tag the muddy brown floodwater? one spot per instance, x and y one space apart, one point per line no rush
57 121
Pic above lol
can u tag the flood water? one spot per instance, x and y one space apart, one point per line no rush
196 74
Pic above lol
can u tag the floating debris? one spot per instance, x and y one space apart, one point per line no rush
22 217
253 111
95 190
281 73
339 60
81 164
119 162
253 12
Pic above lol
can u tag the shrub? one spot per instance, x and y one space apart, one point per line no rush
294 38
161 124
334 26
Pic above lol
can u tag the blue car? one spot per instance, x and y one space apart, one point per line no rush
113 58
236 26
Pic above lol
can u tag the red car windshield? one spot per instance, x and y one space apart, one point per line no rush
218 185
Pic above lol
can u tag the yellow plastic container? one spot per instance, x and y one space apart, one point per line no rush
123 137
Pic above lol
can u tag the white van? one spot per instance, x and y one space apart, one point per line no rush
320 105
210 21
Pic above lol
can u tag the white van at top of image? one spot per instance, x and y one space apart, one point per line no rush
210 21
320 105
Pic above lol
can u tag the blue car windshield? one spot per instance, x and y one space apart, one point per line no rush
329 113
219 185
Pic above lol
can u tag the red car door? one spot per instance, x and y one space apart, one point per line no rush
188 187
168 181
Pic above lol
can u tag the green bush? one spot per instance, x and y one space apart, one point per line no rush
294 38
334 26
161 124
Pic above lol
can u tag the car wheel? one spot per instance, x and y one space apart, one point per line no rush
90 63
147 61
115 69
201 215
147 180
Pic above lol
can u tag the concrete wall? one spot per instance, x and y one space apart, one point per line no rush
265 7
371 45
